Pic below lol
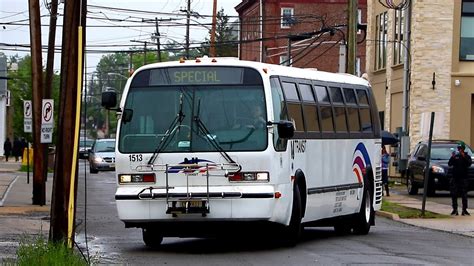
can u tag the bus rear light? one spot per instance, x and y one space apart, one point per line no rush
249 176
198 60
213 60
277 195
137 178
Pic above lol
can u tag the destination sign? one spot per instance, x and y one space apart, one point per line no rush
196 76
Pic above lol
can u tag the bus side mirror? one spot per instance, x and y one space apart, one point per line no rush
109 99
286 129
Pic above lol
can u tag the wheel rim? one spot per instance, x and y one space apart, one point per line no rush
367 208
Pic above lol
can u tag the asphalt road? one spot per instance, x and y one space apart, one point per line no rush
388 242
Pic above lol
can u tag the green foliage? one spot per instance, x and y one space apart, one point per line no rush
38 251
225 41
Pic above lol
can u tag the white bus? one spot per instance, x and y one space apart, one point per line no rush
221 145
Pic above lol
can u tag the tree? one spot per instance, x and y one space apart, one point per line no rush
225 39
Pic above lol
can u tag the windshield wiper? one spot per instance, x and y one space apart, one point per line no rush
166 139
210 138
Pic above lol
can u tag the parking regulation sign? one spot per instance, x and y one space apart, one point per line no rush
47 121
27 116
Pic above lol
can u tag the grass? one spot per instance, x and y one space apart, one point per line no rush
38 251
407 213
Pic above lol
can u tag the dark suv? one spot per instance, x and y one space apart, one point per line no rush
440 172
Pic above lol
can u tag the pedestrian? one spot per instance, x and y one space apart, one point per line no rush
7 148
17 148
385 162
460 161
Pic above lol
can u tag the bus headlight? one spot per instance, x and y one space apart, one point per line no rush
137 178
249 176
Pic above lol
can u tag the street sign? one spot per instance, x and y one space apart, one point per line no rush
27 116
47 120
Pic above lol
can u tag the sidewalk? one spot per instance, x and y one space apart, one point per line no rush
16 200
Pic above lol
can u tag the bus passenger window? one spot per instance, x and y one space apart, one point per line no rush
322 94
353 119
362 97
326 119
294 111
290 91
365 119
340 119
311 117
350 96
306 92
336 95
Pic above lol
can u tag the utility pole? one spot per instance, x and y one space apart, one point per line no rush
351 36
144 51
65 170
39 187
212 49
48 84
157 36
188 20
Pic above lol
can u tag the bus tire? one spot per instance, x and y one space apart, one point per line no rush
363 219
292 232
342 228
151 238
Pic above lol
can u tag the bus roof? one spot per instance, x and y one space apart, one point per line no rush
271 69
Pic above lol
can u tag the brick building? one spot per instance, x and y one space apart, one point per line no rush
442 49
266 38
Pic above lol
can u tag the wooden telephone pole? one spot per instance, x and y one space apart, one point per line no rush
212 49
65 170
351 36
39 187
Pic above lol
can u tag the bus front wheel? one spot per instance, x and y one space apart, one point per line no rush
362 223
151 237
292 232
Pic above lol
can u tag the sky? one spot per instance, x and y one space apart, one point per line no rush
117 18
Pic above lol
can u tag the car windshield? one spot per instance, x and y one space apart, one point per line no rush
445 152
196 117
86 143
105 146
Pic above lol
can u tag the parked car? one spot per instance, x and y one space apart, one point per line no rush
440 173
102 156
84 146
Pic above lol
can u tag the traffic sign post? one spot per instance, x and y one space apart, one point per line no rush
47 121
27 116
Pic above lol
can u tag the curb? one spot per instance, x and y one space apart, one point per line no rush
389 215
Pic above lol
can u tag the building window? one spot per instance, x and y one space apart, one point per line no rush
287 19
467 34
398 45
381 41
284 60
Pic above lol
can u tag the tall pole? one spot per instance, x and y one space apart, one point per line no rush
65 170
406 69
188 20
158 46
351 36
39 188
48 84
144 55
212 49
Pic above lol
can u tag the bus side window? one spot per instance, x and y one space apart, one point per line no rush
294 105
310 109
340 120
364 110
325 108
279 113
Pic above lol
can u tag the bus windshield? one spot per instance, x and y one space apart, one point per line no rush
191 117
